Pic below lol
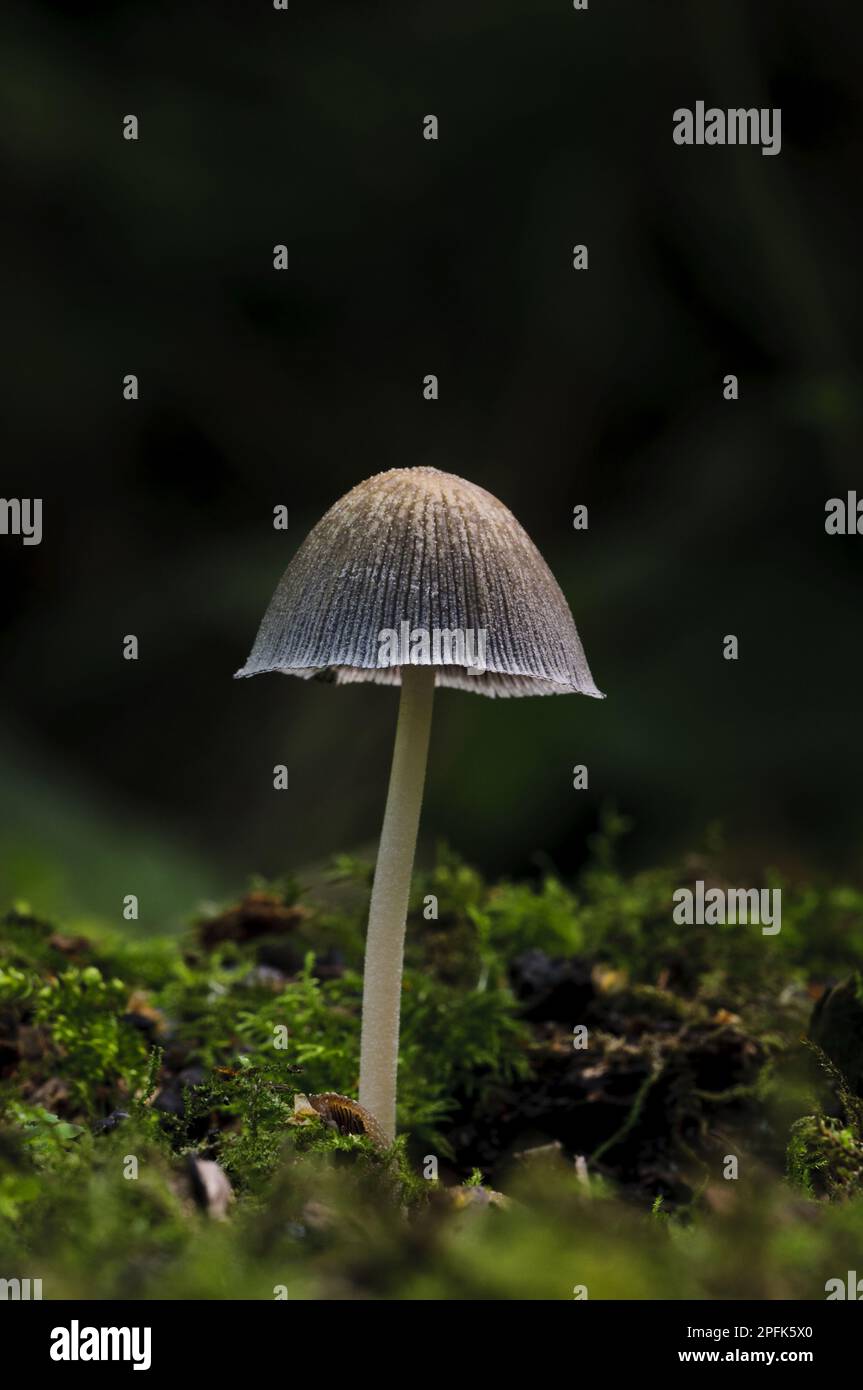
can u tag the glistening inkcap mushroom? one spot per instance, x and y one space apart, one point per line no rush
416 578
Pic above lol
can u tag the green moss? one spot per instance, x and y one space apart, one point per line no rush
694 1053
825 1151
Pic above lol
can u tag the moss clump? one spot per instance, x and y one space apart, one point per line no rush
825 1157
825 1152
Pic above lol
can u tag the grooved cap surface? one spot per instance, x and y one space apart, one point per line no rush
416 551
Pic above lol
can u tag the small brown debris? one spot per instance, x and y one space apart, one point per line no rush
725 1016
472 1198
608 981
340 1113
317 1216
541 1153
257 914
33 1043
52 1095
69 945
142 1014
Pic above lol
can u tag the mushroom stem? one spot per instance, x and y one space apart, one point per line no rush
382 978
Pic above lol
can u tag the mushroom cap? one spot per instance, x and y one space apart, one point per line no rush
416 551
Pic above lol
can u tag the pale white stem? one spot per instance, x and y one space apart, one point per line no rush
382 979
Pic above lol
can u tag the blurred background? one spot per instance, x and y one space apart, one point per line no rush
407 257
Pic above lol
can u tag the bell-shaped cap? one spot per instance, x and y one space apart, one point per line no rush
418 567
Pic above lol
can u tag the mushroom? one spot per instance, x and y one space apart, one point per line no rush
416 578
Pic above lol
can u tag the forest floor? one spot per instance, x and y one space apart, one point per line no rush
593 1099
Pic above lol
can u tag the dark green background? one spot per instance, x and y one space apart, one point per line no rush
557 388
